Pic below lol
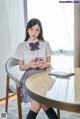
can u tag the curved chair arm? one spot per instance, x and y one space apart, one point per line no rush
11 62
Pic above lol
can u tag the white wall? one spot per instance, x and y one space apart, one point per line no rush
11 33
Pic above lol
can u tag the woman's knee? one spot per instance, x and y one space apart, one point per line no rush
35 106
44 107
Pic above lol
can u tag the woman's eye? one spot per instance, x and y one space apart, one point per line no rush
34 29
37 30
31 29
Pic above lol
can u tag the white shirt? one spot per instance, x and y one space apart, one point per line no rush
23 51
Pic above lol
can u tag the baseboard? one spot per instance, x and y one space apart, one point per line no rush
10 96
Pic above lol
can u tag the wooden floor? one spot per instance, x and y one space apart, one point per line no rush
10 98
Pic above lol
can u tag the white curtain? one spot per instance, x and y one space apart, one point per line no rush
57 20
12 32
58 26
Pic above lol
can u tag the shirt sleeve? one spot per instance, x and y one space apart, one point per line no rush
19 52
49 51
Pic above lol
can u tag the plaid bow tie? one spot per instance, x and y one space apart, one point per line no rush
34 46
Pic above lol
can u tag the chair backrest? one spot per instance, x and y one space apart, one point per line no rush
11 62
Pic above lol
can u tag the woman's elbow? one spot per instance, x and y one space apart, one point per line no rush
21 68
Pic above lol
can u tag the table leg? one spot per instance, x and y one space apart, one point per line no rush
58 112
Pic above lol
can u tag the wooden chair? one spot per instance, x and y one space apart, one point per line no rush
10 76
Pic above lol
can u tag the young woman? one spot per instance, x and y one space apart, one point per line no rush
34 55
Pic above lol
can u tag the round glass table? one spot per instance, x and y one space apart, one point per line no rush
62 93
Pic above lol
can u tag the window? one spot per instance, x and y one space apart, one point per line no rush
58 24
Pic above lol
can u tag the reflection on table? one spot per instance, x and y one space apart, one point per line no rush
61 93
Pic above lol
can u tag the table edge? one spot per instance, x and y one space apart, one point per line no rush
53 103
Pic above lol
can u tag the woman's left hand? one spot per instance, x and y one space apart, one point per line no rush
41 64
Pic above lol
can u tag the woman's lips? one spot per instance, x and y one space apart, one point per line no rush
33 36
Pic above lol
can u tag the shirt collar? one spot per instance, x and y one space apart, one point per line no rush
29 40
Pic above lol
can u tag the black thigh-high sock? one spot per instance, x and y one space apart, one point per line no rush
51 113
31 115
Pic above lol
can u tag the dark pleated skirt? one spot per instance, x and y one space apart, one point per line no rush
24 97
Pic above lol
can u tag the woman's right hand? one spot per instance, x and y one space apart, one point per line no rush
33 64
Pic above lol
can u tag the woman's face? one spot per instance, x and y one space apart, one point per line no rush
34 32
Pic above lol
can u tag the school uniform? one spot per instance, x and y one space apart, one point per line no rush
25 51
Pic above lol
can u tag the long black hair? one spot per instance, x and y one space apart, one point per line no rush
30 24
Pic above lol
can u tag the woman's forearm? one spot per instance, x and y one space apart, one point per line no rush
24 67
48 64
